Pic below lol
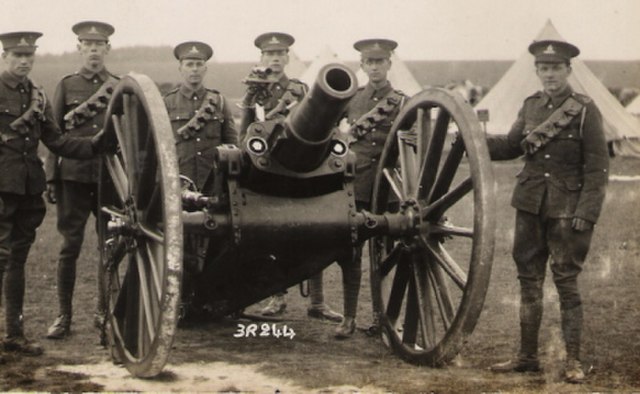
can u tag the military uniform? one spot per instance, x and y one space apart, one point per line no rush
369 116
201 120
369 142
25 119
563 180
275 98
286 91
79 106
196 151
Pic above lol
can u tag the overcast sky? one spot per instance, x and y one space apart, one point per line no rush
425 29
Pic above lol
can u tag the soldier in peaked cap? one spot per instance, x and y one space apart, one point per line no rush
201 119
79 104
26 119
558 198
278 93
367 120
267 101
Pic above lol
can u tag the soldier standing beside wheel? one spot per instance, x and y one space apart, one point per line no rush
201 120
368 119
558 198
79 105
274 97
26 119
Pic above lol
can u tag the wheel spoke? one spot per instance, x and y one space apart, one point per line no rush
153 234
443 297
445 229
152 213
131 149
398 289
150 313
447 263
448 171
156 275
391 260
423 132
434 153
423 303
411 316
118 177
436 210
408 163
393 179
122 139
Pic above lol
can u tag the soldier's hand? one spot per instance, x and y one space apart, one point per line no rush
50 193
579 224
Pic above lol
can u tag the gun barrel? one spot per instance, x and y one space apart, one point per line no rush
309 127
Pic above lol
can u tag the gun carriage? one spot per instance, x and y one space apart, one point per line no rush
283 209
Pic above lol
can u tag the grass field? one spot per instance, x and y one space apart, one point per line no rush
313 359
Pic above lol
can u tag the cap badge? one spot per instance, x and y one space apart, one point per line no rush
274 40
194 50
93 30
376 46
23 43
549 50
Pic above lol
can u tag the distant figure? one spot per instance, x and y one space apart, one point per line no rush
79 106
558 198
367 119
201 120
25 120
262 101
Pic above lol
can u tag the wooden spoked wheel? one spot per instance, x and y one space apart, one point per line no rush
429 285
140 227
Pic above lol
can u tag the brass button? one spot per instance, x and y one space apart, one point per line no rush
198 139
550 106
547 156
95 126
546 175
373 144
199 153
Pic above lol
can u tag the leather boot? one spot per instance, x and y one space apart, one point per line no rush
318 309
20 344
527 358
60 328
519 364
346 328
572 333
277 305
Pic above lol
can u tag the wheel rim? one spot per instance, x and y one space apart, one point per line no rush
429 287
140 227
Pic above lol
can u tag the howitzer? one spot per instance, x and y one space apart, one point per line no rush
283 209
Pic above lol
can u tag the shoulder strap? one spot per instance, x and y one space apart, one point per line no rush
34 113
203 115
378 113
92 106
547 130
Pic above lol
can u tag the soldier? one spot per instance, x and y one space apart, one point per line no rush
276 99
201 120
368 120
26 119
558 198
79 104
